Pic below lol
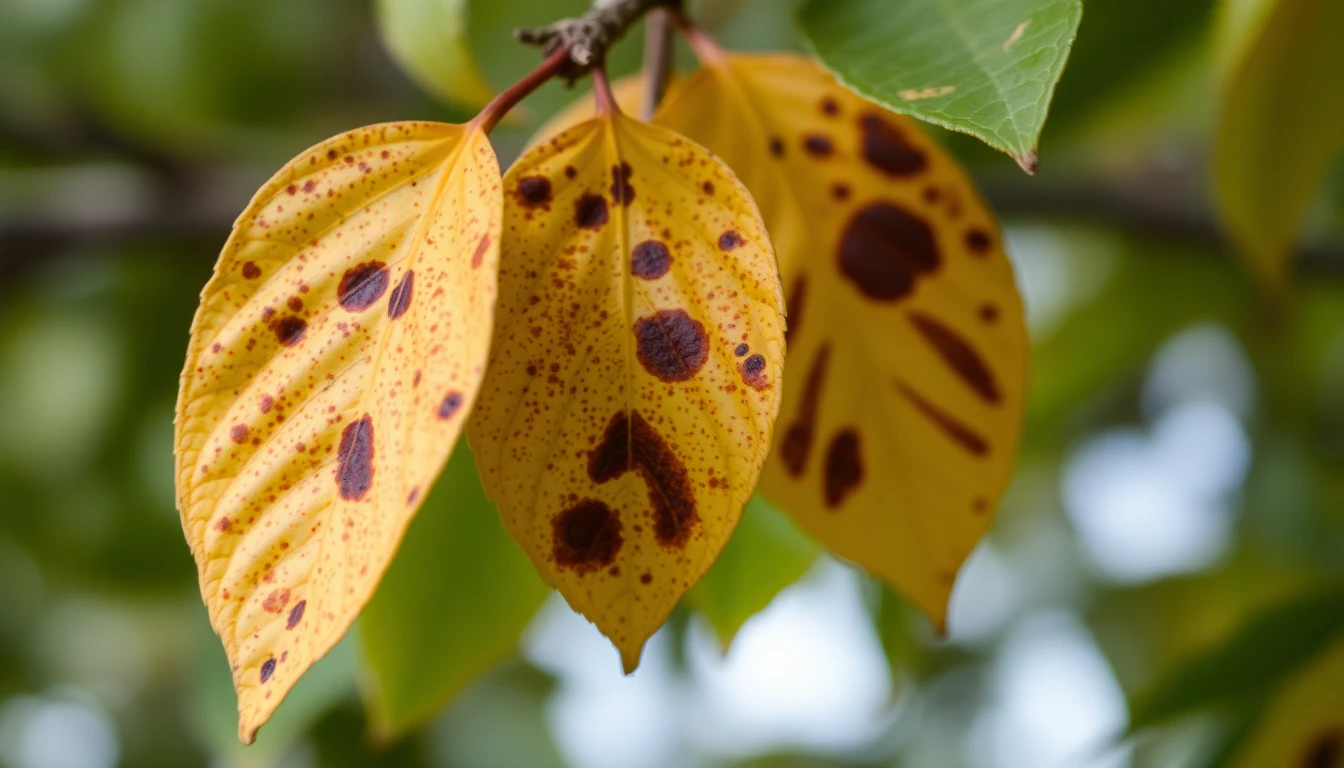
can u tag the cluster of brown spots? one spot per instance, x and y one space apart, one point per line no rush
590 212
1326 751
978 241
289 330
534 190
989 314
886 148
753 372
267 669
354 460
741 350
776 146
452 403
959 433
413 496
276 601
730 240
251 271
238 433
958 354
400 300
671 345
830 107
481 248
840 191
629 443
794 305
797 443
296 614
650 260
884 249
621 191
586 536
817 145
844 467
362 285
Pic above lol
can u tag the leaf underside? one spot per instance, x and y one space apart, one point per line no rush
635 374
336 351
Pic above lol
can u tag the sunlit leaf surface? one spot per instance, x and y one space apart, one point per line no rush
907 350
636 368
334 357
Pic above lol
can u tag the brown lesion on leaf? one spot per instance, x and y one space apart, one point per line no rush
844 467
729 240
267 669
752 371
959 355
622 192
631 443
296 614
586 536
354 460
978 241
886 148
238 433
251 271
450 405
798 438
400 300
671 345
1326 750
481 247
533 191
884 249
962 435
650 259
289 330
276 601
818 145
362 285
590 212
829 106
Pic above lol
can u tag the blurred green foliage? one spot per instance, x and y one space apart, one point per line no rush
131 131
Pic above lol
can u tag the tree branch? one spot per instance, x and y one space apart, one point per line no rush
588 37
658 52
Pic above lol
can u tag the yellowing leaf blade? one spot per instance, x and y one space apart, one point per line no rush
907 348
636 368
331 364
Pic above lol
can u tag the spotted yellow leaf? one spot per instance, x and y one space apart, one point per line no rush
635 372
627 91
904 389
332 362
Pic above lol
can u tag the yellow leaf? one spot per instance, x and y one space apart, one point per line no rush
635 372
629 95
905 384
332 362
1304 722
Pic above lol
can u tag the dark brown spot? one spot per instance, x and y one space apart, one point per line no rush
296 614
362 285
590 212
354 461
224 524
958 354
251 271
798 438
646 578
776 146
267 669
309 186
817 145
534 190
331 154
741 350
292 189
979 241
452 402
265 402
730 240
570 172
844 466
481 248
753 372
289 330
671 345
829 107
400 300
708 187
840 191
586 536
238 433
633 443
796 301
294 303
989 313
932 195
884 249
886 148
1327 751
960 433
650 260
621 191
276 601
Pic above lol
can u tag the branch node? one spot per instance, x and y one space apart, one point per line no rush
588 37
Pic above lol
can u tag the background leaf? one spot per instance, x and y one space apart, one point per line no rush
454 601
1304 722
765 555
1281 122
983 67
428 38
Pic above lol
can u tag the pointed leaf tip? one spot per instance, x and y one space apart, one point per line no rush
1027 162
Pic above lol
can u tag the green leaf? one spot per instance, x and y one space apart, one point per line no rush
983 67
453 603
1250 662
765 554
1281 121
428 38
